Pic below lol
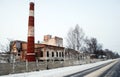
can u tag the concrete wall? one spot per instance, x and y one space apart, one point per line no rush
19 67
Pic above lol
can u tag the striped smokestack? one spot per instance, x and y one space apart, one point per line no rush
30 56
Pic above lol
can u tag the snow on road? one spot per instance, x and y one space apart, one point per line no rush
100 71
58 72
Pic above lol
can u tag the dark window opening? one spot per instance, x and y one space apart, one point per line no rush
47 53
18 54
52 54
57 54
62 54
41 53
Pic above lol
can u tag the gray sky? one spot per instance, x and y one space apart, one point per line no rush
98 18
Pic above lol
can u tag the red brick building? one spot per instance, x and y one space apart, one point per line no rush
50 49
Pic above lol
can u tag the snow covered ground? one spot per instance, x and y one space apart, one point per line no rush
58 72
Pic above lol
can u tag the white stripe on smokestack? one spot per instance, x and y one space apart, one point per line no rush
31 13
30 31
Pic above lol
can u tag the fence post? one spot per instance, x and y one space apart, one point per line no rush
26 64
13 68
47 64
37 69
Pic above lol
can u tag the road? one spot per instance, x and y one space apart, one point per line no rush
105 70
114 71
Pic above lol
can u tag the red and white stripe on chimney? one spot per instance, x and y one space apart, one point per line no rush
30 56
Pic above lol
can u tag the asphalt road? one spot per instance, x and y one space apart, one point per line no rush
114 71
85 72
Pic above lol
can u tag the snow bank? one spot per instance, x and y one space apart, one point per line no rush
58 72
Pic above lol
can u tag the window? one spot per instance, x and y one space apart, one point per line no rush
57 54
41 53
52 54
62 54
18 54
47 53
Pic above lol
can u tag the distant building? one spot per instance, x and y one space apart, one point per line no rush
55 41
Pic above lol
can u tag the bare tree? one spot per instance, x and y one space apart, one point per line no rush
6 46
92 46
110 54
75 38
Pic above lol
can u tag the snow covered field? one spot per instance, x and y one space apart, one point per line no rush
58 72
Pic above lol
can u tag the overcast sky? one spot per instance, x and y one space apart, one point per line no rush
98 18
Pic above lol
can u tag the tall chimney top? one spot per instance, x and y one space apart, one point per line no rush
31 3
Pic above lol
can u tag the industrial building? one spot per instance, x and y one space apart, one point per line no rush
50 49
